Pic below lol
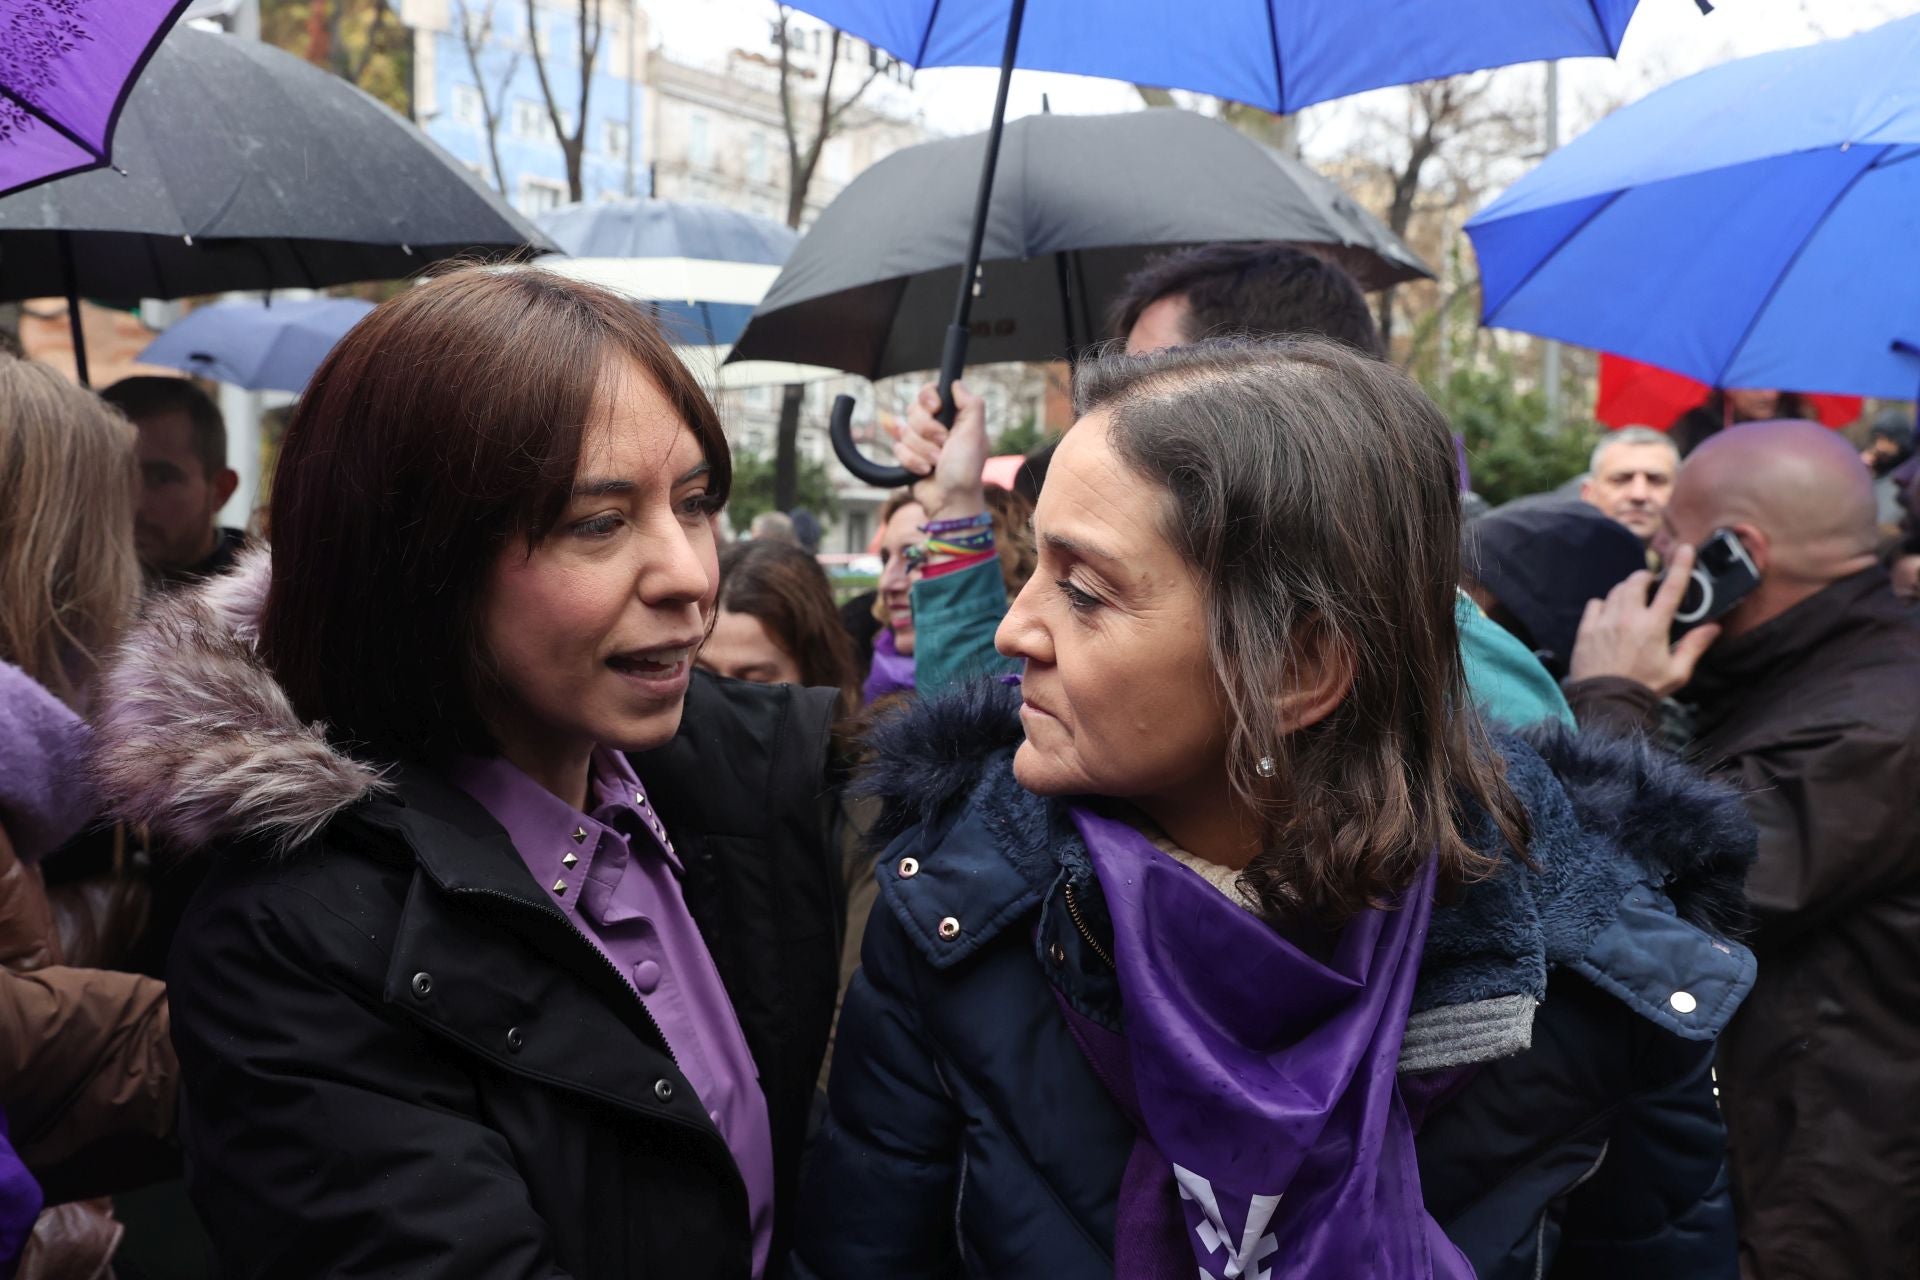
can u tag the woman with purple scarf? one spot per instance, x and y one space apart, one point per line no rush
1227 941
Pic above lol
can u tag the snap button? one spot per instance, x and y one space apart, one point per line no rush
646 976
515 1040
663 1090
423 985
909 868
950 928
1057 954
1683 1002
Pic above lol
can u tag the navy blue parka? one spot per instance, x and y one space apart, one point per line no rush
1580 996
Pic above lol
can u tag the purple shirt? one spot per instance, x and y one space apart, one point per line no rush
614 874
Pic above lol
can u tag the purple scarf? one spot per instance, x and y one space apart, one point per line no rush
892 670
20 1200
1266 1079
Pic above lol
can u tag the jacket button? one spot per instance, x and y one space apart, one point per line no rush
909 868
515 1040
950 928
423 985
663 1090
1057 954
1683 1002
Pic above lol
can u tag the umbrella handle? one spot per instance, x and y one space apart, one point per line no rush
840 432
840 426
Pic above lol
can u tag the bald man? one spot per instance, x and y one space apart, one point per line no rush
1808 697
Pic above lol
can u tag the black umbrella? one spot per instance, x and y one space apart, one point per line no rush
1080 202
247 168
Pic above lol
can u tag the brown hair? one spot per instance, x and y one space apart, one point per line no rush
447 421
1013 536
69 578
786 589
1314 492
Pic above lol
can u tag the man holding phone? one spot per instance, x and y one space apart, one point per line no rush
1807 693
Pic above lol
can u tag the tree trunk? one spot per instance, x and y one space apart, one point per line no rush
786 450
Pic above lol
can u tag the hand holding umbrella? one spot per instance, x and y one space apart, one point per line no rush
953 459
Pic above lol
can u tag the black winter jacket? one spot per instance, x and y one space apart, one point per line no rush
398 1058
968 1136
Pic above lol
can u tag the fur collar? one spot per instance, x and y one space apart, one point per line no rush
195 738
1612 820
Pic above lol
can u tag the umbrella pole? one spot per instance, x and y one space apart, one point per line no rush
954 358
71 279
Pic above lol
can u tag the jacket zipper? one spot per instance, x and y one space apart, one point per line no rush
579 933
1073 910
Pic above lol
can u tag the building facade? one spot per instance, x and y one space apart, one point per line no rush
478 58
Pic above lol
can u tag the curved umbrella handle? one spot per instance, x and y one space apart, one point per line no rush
840 432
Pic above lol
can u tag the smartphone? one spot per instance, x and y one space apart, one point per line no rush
1723 576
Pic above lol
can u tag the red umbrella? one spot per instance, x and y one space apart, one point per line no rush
1645 395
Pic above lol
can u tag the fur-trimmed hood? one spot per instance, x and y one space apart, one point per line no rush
195 738
1635 875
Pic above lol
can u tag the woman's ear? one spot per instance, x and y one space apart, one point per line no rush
1318 677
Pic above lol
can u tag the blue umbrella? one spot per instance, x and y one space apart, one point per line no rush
256 345
1755 225
1277 54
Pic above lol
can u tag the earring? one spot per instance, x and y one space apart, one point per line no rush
1265 767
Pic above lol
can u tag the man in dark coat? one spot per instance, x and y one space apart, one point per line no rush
184 479
1810 698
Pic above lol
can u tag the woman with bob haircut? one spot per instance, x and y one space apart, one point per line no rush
517 951
1226 940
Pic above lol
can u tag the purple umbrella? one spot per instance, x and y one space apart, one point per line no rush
66 67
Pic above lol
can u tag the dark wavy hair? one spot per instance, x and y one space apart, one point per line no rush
445 423
787 590
1313 490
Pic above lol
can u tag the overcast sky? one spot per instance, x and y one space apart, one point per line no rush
1668 39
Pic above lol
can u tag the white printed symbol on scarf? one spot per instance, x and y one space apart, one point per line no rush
1256 1243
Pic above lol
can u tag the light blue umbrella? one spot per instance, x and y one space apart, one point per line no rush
255 345
1755 225
702 266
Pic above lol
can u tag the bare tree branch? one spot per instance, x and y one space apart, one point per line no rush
490 103
356 68
592 22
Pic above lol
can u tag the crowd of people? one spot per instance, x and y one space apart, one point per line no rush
1215 852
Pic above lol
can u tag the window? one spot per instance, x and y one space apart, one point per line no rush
467 108
757 156
839 170
530 121
616 137
538 195
699 145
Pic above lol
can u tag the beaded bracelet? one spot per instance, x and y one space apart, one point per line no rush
982 521
960 546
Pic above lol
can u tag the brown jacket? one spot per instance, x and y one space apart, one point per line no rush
87 1077
1817 715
